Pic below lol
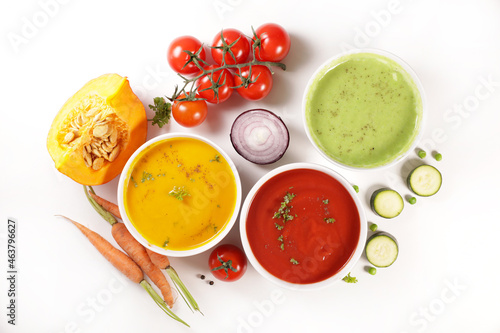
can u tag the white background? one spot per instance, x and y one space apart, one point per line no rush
445 279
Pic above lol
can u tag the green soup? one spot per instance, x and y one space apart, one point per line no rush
364 110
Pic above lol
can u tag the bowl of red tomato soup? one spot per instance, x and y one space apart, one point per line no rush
302 226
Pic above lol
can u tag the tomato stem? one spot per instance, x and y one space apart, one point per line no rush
200 63
225 265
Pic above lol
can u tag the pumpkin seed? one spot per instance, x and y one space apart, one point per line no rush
110 130
103 152
96 152
107 148
69 137
97 117
74 124
98 163
91 113
86 157
100 131
88 161
114 153
88 148
113 137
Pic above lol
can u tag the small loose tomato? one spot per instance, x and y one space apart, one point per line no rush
239 47
178 59
189 113
254 82
217 90
227 262
273 42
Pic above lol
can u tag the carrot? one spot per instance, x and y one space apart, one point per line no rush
162 262
159 260
104 208
138 253
135 250
107 205
124 264
117 258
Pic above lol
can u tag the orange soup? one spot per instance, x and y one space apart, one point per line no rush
181 193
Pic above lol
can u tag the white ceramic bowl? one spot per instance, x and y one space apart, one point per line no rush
331 63
125 175
310 286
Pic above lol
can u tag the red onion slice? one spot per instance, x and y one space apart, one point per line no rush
260 136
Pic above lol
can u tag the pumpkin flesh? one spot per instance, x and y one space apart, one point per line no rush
97 130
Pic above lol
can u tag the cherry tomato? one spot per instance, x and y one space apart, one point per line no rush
274 42
227 262
222 81
189 113
177 58
258 89
240 50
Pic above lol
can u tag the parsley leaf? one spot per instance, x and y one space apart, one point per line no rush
216 159
179 193
350 279
162 111
329 219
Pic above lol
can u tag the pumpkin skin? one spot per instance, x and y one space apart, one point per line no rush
107 102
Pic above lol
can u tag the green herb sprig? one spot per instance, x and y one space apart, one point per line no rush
350 279
284 210
179 192
162 110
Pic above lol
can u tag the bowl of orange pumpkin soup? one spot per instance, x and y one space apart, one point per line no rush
302 226
179 194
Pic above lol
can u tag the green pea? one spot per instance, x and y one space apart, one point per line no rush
422 154
356 188
373 227
412 200
438 157
372 271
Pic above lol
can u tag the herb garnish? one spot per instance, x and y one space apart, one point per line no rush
284 210
282 245
278 226
293 261
216 159
146 176
350 279
325 201
329 219
179 192
133 181
162 111
166 242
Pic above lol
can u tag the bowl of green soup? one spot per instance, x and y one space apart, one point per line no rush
364 109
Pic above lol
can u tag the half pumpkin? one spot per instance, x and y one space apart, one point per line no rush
97 130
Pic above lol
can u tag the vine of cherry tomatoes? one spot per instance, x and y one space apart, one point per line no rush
241 63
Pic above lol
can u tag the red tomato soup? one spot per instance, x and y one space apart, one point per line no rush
303 226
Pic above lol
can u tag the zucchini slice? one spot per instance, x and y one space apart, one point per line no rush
425 180
382 249
387 203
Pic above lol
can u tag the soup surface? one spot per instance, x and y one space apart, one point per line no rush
303 226
181 193
364 110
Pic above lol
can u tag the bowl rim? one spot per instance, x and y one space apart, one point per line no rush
418 84
138 236
348 265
